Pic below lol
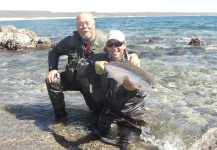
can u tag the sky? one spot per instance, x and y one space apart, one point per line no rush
111 5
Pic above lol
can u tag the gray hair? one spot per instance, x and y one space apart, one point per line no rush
85 13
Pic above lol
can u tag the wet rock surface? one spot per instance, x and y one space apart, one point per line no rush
12 38
196 41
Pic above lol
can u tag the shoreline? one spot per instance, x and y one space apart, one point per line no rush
38 18
53 18
42 15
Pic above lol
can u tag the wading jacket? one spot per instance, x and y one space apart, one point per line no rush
116 97
72 47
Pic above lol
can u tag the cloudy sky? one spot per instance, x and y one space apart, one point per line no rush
112 5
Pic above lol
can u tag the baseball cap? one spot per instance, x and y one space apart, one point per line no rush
116 35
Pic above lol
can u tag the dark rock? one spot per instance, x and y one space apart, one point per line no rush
195 41
150 40
12 38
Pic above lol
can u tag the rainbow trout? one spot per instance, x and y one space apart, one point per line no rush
140 79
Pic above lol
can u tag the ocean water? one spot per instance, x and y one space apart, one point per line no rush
182 115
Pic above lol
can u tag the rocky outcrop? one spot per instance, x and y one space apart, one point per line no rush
12 38
196 41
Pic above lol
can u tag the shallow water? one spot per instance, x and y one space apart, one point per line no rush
181 116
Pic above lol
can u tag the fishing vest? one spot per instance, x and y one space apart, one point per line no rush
76 52
118 99
91 83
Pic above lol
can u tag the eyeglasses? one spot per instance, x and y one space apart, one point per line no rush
116 44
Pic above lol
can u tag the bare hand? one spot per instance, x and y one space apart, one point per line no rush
134 59
51 75
128 83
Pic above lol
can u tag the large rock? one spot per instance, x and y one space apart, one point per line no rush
12 38
196 41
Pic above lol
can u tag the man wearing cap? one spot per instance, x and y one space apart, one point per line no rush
84 43
122 103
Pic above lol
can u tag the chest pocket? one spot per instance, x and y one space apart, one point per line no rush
97 91
72 63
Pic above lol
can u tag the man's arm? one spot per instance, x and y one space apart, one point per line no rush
57 49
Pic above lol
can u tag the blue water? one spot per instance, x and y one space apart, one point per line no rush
182 115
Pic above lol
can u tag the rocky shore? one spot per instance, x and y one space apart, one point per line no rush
12 38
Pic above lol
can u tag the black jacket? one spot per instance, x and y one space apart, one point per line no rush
72 47
116 97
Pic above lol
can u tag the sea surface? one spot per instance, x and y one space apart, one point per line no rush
182 115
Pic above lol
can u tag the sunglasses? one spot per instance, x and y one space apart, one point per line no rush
116 44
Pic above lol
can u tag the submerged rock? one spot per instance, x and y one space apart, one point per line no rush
178 52
12 38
